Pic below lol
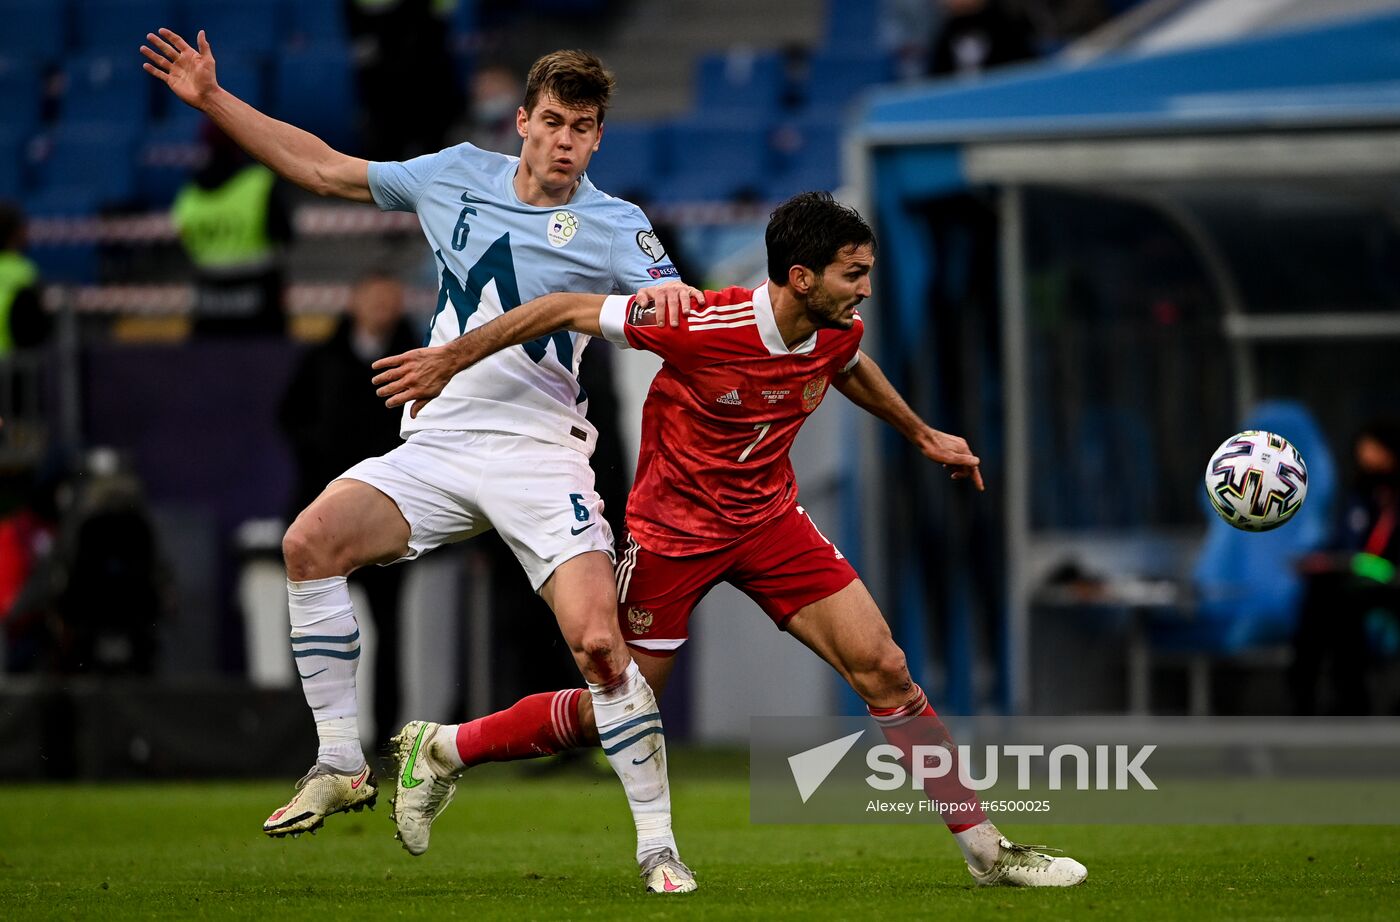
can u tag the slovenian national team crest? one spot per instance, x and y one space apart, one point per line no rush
640 619
812 394
562 227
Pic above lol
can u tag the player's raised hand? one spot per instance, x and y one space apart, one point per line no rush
672 301
418 375
951 451
188 72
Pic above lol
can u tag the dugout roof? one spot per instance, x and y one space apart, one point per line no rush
1312 105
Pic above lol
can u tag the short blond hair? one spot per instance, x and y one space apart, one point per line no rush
576 78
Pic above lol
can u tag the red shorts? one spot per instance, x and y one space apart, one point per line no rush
784 566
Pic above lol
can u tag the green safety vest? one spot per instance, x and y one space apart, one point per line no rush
16 274
226 226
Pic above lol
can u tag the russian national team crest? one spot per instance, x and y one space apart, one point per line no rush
812 394
640 619
562 227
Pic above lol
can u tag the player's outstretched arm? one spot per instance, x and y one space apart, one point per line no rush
295 155
420 375
866 386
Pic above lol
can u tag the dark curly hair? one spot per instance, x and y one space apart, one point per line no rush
809 229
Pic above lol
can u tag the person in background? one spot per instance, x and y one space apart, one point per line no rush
496 93
974 36
23 323
233 220
1351 595
401 47
333 420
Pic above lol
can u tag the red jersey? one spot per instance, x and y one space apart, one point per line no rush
721 416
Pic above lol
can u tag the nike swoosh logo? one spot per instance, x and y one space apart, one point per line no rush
670 887
314 674
355 785
647 757
579 531
408 781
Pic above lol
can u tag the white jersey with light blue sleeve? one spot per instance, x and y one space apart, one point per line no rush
494 253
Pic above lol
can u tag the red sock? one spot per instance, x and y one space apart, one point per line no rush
539 725
902 729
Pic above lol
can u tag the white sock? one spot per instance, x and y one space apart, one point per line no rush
629 728
326 648
980 845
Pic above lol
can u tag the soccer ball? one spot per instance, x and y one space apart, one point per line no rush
1256 481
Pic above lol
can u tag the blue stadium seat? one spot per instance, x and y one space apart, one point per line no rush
70 263
246 26
33 29
165 161
12 161
809 152
836 78
102 88
315 90
851 24
21 94
709 163
119 27
628 159
740 84
1247 591
93 158
318 22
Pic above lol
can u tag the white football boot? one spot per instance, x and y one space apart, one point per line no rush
426 783
323 791
1023 866
664 873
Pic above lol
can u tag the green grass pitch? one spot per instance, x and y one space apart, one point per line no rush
514 847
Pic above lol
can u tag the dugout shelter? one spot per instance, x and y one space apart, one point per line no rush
1094 270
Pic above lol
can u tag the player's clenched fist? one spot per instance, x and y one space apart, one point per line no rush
418 375
188 73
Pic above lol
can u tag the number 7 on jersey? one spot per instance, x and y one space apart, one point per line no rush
762 431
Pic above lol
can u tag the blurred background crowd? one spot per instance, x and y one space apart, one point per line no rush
1112 233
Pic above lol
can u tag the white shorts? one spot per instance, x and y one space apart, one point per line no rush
451 486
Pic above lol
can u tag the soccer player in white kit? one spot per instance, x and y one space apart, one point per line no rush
506 445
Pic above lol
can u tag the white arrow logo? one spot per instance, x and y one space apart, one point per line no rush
811 768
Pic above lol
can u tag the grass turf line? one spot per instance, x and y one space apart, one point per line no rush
512 848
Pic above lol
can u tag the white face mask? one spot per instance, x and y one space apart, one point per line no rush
496 108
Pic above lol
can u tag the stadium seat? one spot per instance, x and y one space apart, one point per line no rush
627 161
1246 589
103 88
318 22
836 78
33 29
740 84
709 164
21 94
75 263
95 159
315 90
12 163
168 154
854 26
246 26
809 152
119 27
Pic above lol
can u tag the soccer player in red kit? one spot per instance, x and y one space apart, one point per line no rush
715 500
